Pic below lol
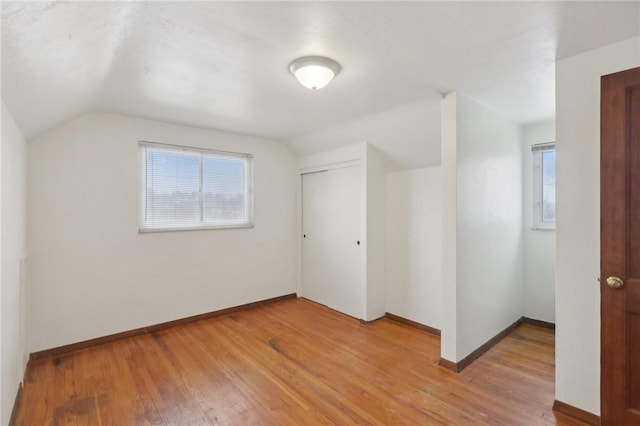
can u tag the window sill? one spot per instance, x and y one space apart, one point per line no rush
543 228
201 228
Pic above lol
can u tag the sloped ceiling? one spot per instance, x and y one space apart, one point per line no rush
224 65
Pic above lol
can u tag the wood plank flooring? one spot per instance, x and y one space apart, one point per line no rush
296 363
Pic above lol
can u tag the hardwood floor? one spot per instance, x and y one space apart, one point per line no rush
293 362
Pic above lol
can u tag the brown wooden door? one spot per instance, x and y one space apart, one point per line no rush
620 248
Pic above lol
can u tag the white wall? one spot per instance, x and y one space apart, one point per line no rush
339 157
13 252
407 135
488 247
413 245
578 219
489 221
88 263
539 244
449 166
376 188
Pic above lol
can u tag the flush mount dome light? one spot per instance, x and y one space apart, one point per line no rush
314 72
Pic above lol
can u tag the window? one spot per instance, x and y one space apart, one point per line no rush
190 188
544 186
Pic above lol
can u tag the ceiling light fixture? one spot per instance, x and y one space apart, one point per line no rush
314 72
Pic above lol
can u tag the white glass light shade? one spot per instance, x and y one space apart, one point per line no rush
314 72
314 76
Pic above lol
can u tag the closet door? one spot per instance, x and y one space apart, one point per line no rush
345 222
333 249
315 241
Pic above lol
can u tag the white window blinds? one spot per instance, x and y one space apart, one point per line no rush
190 188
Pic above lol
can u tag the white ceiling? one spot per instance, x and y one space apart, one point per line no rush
224 65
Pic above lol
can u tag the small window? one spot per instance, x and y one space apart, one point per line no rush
191 188
544 186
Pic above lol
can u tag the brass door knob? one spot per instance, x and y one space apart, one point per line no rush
615 282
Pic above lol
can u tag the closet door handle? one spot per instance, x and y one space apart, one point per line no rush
358 242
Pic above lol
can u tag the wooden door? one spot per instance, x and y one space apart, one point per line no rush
620 248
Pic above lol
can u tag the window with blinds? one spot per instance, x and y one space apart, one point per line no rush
186 188
544 186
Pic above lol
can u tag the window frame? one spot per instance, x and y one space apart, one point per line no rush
537 186
142 187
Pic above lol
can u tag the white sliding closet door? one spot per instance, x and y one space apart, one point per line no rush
345 222
315 276
333 249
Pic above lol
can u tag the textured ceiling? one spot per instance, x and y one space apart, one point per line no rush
224 64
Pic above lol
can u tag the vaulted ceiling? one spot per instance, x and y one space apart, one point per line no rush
224 65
